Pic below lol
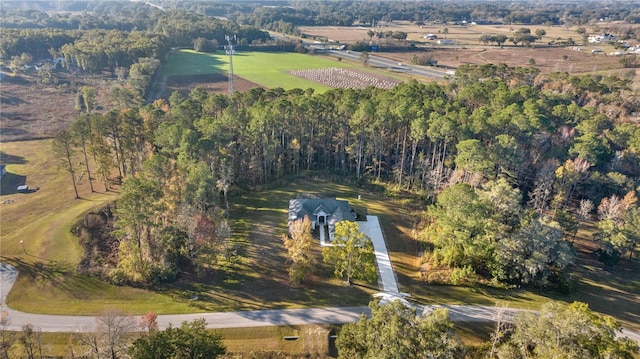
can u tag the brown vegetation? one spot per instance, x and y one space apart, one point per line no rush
30 109
216 83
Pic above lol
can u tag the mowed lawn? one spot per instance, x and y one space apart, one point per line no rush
268 69
49 253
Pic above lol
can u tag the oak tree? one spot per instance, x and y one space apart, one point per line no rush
351 253
395 331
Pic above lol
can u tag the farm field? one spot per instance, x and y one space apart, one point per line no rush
467 48
263 69
186 69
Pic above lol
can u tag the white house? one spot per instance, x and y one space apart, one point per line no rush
595 39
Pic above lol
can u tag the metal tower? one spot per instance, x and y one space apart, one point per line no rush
230 51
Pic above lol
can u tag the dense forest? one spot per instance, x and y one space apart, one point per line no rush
286 16
95 42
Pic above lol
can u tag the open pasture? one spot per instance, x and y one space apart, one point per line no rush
187 69
468 49
269 70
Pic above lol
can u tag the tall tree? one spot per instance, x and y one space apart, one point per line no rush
395 331
31 340
566 331
224 183
6 336
351 253
136 214
111 336
472 157
64 149
114 328
463 229
81 129
533 253
299 243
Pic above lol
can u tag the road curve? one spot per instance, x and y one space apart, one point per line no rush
255 318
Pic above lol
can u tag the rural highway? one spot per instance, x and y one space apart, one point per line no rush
255 318
378 61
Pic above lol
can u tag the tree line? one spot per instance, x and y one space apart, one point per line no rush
96 47
558 330
117 336
326 13
177 18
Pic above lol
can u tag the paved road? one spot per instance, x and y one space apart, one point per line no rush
257 318
377 61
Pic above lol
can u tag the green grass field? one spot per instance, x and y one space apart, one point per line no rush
268 69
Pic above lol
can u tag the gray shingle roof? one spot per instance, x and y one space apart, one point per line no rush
337 210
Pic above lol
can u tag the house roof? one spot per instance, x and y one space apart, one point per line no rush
337 210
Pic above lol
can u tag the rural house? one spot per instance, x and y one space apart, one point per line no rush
321 212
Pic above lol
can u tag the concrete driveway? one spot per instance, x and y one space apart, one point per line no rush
385 270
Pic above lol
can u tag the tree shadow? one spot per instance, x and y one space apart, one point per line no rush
37 270
9 159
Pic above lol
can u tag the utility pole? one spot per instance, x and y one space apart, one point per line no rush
229 50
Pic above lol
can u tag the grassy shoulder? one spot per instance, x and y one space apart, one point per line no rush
303 340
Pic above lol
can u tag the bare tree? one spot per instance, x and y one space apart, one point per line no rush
610 208
502 329
224 183
585 208
113 327
31 340
89 339
540 195
6 336
110 338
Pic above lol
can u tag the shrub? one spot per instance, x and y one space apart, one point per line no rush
464 275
